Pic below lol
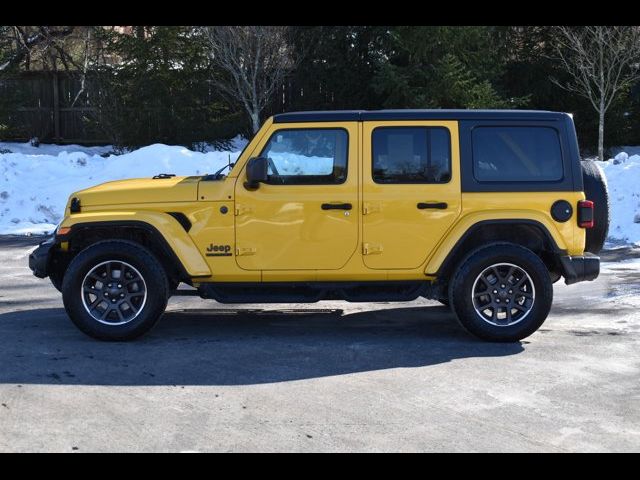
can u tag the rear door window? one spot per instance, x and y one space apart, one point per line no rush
411 155
516 154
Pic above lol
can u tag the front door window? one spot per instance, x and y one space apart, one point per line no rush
312 156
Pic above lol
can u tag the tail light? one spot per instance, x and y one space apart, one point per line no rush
585 214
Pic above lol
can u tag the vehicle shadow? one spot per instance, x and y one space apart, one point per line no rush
235 346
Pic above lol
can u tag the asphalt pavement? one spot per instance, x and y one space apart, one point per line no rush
330 376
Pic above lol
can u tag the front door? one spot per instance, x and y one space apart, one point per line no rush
306 216
411 190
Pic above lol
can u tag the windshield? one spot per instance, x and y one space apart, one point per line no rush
220 174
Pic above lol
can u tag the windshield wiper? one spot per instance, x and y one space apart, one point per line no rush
218 174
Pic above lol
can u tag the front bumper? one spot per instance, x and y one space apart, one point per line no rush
579 268
40 258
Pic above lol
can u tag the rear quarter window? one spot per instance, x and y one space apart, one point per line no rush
516 154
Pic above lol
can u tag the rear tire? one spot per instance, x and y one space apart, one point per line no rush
501 292
596 190
115 290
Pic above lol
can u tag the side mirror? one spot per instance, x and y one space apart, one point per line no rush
256 172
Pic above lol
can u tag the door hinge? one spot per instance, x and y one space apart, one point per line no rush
240 251
242 209
371 248
368 208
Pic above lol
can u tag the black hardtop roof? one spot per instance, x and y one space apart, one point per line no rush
407 114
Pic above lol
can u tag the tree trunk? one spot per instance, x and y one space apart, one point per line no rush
601 131
255 121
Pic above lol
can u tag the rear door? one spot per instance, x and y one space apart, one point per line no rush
411 190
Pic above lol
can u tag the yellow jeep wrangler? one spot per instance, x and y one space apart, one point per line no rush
481 210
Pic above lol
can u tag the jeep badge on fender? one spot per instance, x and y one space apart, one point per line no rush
218 250
481 210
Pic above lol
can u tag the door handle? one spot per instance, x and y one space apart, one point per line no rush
436 205
336 206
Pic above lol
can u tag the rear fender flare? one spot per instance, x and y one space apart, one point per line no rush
447 250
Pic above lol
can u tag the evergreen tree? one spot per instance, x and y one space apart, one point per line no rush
443 67
337 65
157 90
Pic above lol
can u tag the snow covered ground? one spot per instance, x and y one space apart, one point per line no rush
623 177
35 182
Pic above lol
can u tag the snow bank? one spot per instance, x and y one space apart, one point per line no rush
623 177
35 183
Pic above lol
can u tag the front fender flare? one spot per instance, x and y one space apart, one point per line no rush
161 224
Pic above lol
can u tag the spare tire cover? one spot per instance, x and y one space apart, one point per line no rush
596 190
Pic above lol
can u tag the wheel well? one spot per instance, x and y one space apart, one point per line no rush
529 234
83 236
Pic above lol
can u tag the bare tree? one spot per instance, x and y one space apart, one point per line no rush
254 60
601 61
33 41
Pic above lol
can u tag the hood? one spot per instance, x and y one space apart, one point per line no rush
141 190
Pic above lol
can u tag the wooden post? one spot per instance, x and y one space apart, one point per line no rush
56 108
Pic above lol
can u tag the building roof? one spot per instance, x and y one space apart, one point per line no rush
435 114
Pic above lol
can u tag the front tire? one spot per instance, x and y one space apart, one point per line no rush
501 292
115 290
444 301
56 280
